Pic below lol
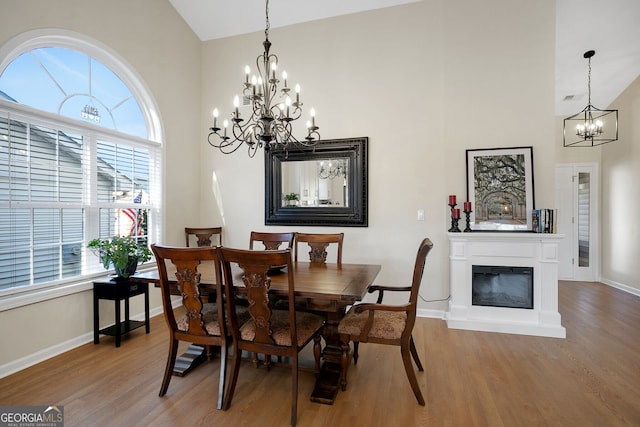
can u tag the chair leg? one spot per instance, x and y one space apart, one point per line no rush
294 389
355 352
168 371
411 375
344 365
223 374
414 353
231 386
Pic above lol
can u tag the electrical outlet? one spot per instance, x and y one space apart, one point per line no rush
420 215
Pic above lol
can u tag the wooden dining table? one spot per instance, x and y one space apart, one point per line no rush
329 288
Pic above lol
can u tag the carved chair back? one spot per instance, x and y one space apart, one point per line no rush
204 236
318 244
271 241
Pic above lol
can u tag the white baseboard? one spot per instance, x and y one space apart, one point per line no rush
435 314
621 286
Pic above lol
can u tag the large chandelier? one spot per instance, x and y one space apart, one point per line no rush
270 123
591 126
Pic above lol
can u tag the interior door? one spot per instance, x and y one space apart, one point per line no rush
577 202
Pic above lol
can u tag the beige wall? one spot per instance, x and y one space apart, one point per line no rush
154 40
621 194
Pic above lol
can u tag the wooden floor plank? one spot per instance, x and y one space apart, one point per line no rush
591 378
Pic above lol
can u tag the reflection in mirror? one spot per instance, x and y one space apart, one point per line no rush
316 183
325 185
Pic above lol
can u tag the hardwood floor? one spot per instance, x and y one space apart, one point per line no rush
591 378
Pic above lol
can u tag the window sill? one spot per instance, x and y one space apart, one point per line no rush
27 295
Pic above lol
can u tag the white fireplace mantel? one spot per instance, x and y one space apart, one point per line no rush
539 251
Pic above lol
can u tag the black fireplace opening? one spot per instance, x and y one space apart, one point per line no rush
501 286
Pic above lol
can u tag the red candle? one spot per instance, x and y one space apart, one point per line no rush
452 199
455 214
467 206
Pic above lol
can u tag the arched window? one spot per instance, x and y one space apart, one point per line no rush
79 158
75 85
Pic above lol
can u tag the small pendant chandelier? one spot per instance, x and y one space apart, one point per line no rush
591 126
270 123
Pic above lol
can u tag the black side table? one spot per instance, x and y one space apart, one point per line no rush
118 290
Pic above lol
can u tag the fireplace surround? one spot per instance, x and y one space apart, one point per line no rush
509 252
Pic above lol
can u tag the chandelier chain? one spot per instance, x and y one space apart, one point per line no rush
589 81
267 24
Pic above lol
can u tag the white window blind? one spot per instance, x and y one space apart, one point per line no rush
61 186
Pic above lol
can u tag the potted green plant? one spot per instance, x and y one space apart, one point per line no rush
291 199
123 253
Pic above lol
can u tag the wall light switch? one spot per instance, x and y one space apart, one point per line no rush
420 215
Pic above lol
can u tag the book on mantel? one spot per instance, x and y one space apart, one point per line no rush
544 220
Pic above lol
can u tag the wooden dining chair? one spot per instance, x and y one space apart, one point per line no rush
204 236
203 323
271 241
269 331
387 324
318 244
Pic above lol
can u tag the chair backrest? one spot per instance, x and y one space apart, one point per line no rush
318 244
271 241
187 262
203 235
421 257
255 266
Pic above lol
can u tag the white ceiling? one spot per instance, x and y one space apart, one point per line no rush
609 27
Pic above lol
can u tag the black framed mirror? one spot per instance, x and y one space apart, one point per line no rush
325 185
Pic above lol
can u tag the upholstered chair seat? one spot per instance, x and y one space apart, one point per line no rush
209 317
306 325
387 325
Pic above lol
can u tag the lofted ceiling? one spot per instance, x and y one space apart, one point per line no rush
610 28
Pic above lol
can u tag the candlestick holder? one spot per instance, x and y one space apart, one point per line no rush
454 221
468 227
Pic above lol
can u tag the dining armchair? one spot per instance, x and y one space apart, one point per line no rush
203 323
387 324
204 236
269 331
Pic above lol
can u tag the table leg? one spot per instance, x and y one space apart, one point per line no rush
96 319
328 381
118 331
147 327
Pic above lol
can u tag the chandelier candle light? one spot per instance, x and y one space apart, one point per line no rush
591 126
270 123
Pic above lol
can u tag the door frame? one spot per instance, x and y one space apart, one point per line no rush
569 250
